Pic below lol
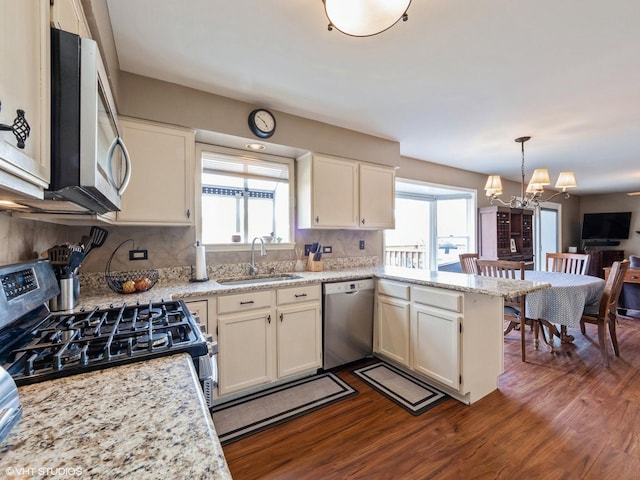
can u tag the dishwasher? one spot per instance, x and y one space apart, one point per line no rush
347 321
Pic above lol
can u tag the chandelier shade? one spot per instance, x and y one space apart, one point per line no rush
531 197
363 18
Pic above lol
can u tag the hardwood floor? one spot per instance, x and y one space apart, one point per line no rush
557 416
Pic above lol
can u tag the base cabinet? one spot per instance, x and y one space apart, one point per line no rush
435 338
453 339
245 350
299 332
268 335
393 328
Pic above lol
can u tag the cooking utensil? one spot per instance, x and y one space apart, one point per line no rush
59 255
98 236
85 241
75 260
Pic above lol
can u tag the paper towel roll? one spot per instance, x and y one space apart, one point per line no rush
201 263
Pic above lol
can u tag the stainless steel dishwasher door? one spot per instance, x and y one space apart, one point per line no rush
347 321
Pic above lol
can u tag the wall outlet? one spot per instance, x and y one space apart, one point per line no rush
361 244
138 255
327 249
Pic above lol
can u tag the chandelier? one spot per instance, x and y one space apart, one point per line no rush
532 196
364 18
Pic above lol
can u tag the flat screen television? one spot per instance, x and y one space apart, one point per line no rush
606 226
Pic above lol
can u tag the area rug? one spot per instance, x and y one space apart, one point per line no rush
247 415
409 392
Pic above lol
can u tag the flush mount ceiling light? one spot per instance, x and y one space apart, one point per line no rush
363 18
532 196
255 146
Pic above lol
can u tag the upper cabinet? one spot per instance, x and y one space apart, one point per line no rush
162 180
377 196
336 193
25 87
68 15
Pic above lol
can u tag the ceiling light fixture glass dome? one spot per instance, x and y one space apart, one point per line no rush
363 18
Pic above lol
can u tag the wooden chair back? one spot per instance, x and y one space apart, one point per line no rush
514 309
468 263
612 289
607 313
576 263
501 269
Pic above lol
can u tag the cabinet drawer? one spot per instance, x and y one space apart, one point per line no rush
393 289
304 293
437 298
632 276
245 301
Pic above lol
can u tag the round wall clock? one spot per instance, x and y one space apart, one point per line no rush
262 123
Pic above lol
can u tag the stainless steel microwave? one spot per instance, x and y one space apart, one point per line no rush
90 166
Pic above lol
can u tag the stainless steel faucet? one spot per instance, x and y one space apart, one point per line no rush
253 270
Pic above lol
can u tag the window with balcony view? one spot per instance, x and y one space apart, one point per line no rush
434 224
245 197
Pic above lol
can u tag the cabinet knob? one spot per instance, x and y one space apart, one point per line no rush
281 317
362 221
20 128
317 219
269 318
188 213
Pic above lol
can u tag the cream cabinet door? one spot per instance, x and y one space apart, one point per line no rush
435 343
25 84
246 349
377 196
335 200
299 338
161 190
327 190
392 328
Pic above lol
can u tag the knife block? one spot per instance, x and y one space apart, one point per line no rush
314 266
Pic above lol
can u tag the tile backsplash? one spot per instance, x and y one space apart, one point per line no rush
168 247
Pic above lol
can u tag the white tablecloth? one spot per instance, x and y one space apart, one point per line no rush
564 302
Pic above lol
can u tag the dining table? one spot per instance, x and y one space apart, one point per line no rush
564 302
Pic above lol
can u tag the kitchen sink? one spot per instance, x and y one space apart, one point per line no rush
257 279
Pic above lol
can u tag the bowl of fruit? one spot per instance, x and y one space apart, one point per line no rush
131 282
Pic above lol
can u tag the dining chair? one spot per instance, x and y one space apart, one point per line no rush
468 263
514 309
576 263
606 315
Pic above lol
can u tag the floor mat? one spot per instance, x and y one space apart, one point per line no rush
409 392
247 415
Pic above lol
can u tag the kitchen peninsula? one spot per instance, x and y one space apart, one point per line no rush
444 326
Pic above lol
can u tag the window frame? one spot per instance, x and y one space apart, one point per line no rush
201 148
430 193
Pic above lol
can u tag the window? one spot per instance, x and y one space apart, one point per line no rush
243 197
434 224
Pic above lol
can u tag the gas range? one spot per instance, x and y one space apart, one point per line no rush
36 345
68 344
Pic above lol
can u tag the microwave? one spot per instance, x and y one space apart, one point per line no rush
90 165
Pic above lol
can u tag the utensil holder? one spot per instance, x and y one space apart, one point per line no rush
69 294
313 265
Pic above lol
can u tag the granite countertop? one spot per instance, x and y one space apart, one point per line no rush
186 290
145 420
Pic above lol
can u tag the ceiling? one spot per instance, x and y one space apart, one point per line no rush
454 85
